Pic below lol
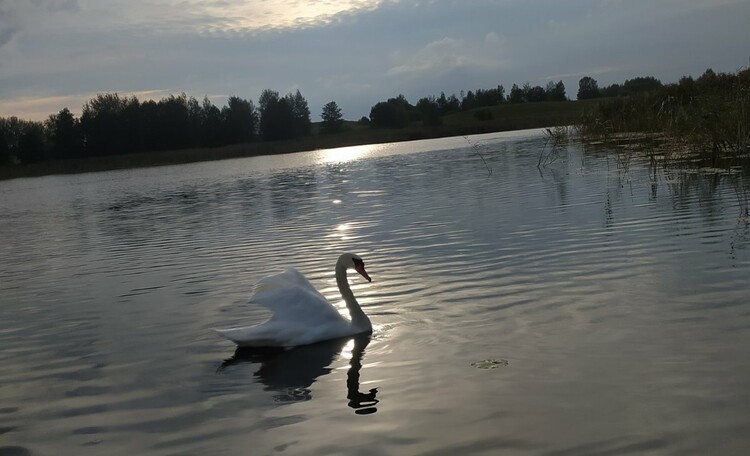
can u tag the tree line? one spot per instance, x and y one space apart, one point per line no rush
588 87
112 124
398 112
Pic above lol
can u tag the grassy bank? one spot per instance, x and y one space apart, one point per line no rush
505 117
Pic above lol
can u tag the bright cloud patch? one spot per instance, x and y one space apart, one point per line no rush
219 17
440 55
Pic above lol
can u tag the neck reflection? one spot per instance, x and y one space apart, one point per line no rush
289 374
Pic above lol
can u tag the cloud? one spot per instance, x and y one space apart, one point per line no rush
218 18
492 38
40 107
9 25
16 16
592 71
449 54
355 52
438 56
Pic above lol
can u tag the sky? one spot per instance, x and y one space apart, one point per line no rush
61 53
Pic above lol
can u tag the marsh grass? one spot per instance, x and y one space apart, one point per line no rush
705 122
556 138
478 152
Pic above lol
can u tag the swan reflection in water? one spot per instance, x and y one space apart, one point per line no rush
290 373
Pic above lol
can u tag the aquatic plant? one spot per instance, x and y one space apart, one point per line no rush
707 119
556 137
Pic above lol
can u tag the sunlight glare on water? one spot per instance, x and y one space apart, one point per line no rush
592 306
346 154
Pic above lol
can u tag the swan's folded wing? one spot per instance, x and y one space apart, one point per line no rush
291 297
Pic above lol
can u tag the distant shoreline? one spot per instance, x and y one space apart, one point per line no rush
506 117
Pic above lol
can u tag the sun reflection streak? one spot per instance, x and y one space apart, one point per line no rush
346 352
346 154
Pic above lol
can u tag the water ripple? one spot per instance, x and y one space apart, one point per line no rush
618 300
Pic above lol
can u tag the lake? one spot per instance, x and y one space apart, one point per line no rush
594 305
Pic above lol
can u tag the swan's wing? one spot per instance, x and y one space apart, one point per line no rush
292 298
285 334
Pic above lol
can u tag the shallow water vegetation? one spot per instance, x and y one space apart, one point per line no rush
706 121
556 138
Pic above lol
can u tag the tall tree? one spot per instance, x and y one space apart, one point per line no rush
516 94
276 116
469 101
588 88
211 125
332 118
105 128
4 148
31 144
241 120
641 84
394 113
555 91
536 93
429 108
301 113
65 134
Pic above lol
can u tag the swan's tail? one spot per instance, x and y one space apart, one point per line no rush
253 336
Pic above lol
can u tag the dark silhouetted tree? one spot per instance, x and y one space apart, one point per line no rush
708 78
31 144
516 94
448 104
301 114
22 140
394 113
614 90
489 97
4 148
65 134
283 118
469 101
640 84
241 120
276 116
430 110
172 125
332 118
588 88
555 91
211 125
536 94
105 127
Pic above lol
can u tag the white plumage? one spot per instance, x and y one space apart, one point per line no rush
301 315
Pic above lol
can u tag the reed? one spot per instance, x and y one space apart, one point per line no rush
706 120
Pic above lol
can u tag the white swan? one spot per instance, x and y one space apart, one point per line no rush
301 315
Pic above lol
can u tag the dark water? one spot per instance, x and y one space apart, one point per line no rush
591 308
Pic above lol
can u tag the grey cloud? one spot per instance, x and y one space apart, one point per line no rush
68 6
361 57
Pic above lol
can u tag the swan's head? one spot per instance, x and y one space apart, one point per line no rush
352 261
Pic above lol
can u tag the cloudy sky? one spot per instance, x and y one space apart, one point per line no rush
60 53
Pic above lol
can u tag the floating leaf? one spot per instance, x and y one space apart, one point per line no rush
490 363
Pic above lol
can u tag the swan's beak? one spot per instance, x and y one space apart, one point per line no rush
362 272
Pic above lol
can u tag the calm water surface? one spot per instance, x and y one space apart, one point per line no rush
592 307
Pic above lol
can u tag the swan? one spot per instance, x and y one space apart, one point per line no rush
301 315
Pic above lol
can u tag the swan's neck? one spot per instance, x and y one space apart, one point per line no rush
359 319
